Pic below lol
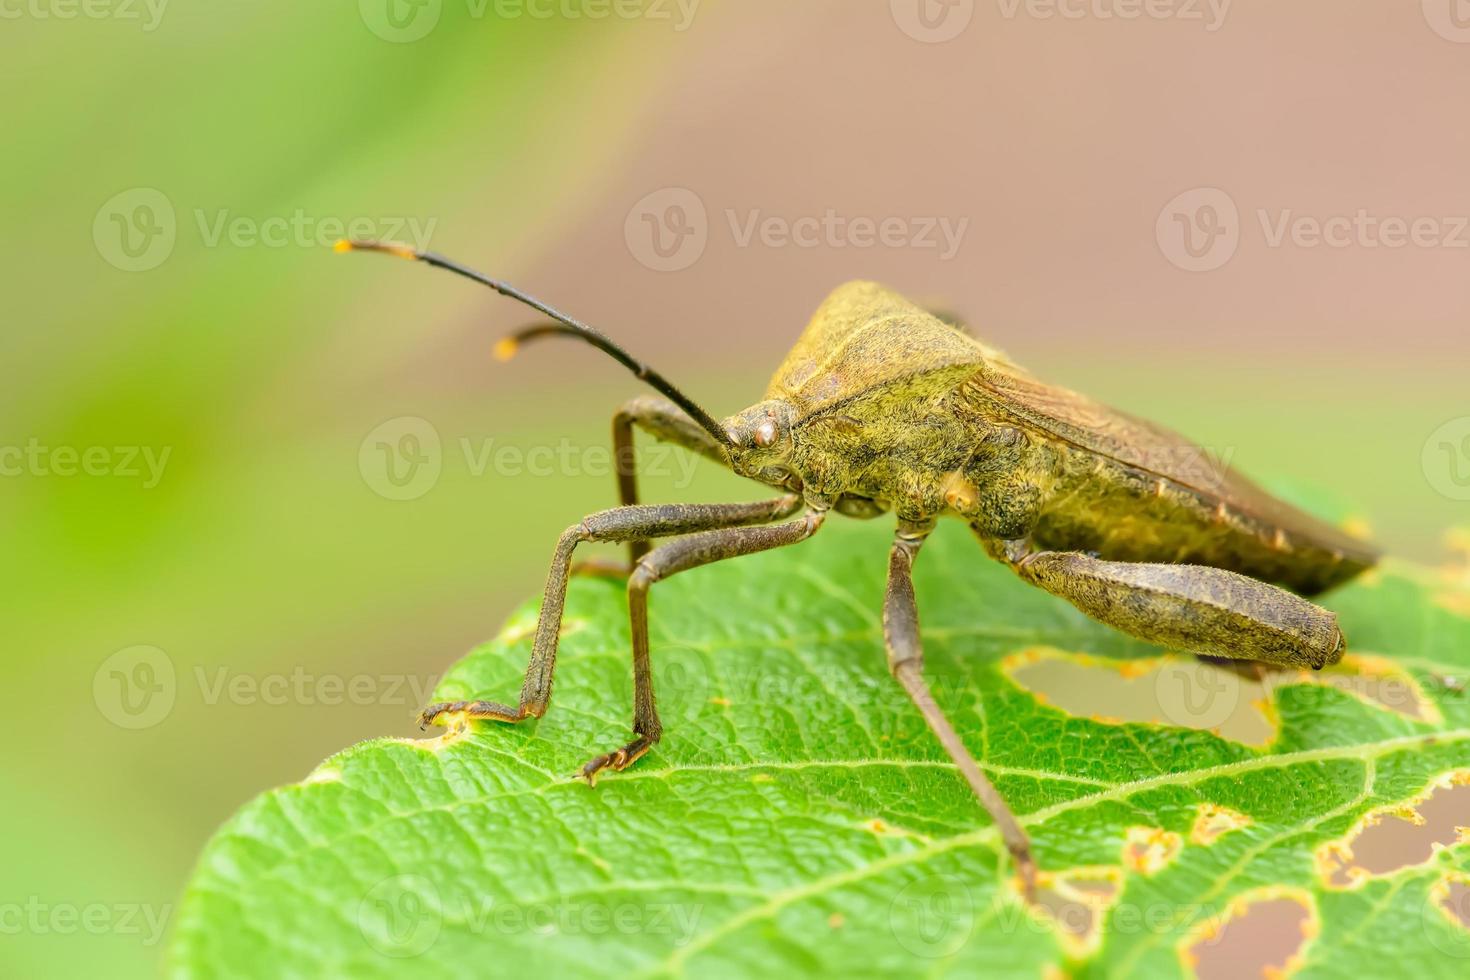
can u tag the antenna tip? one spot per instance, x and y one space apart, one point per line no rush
505 348
387 248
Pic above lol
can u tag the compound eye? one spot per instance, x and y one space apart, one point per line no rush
765 433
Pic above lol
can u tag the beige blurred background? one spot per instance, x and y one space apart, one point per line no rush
1245 220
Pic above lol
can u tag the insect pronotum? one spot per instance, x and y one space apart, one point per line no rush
881 406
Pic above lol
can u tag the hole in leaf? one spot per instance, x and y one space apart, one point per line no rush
1230 698
1378 681
1455 574
1447 915
1180 691
1213 822
1400 836
1452 896
1150 849
1261 936
1076 902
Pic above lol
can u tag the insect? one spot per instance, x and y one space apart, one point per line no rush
882 407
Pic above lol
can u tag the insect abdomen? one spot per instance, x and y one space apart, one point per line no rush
1122 513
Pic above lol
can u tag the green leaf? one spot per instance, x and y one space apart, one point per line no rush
798 816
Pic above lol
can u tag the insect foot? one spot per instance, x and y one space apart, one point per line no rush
617 761
442 713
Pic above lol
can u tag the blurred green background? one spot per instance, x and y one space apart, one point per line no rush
174 174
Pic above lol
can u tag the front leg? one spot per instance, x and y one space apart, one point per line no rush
663 420
618 524
663 561
1197 608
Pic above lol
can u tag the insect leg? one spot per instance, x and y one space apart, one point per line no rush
1198 608
906 661
618 524
666 422
670 559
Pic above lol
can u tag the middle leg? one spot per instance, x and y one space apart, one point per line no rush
906 661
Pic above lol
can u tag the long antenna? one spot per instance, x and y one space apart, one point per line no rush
507 347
